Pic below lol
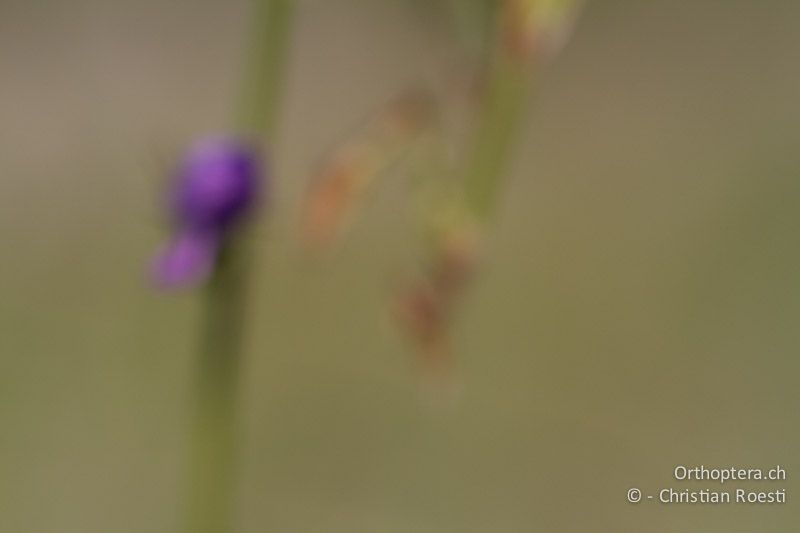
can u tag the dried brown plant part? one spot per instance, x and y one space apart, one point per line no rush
338 187
422 313
527 31
536 29
424 310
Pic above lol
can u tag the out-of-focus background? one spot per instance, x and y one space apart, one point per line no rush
638 310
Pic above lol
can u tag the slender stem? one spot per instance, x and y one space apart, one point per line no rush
523 33
212 455
261 92
472 21
501 117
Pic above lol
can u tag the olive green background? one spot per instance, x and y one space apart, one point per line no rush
638 308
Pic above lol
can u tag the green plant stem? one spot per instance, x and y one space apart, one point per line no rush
212 454
213 438
501 117
257 114
472 22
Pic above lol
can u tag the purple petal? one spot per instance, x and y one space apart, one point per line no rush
216 184
186 261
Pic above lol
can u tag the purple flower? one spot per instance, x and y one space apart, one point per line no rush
186 260
216 185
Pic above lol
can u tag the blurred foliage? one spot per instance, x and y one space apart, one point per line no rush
640 310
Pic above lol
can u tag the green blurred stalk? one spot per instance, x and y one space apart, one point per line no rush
257 114
212 455
502 114
522 35
472 22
